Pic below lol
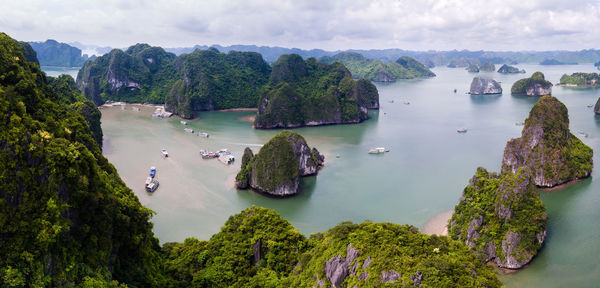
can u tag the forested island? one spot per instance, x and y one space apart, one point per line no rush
536 85
72 222
54 53
580 79
207 80
378 71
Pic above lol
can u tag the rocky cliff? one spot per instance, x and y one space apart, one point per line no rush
507 69
536 85
481 86
547 147
310 93
597 107
473 68
501 217
488 67
278 166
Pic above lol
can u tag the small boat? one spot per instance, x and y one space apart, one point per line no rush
137 109
148 181
391 101
164 152
378 150
590 105
583 133
188 130
461 130
454 90
152 171
226 158
123 107
406 103
520 123
337 156
183 122
152 186
208 155
203 134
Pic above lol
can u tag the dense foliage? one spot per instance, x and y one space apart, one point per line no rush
536 81
376 70
207 80
66 218
53 53
313 93
509 69
492 208
556 156
581 79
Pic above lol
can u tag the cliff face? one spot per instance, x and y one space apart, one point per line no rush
501 217
480 86
546 146
473 68
536 85
310 93
488 67
278 166
597 107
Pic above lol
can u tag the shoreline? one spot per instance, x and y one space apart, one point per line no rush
561 186
438 224
238 110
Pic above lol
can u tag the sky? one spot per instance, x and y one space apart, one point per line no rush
496 25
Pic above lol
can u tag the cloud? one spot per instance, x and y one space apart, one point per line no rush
336 24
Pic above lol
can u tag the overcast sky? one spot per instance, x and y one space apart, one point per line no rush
339 24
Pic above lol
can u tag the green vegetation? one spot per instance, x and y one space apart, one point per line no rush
581 79
66 218
313 93
556 62
493 209
536 85
376 70
509 69
278 166
488 66
558 155
53 53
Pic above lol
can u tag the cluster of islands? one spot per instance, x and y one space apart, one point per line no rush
69 220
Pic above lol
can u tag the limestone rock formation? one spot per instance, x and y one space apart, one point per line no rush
473 68
278 166
501 217
547 147
536 85
481 86
507 69
488 67
597 107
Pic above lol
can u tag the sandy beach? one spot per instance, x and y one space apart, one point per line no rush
438 224
248 118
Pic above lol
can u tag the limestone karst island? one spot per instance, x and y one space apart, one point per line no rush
299 144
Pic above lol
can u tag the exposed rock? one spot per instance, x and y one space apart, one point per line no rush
488 67
278 166
256 249
509 69
418 277
367 263
389 276
501 211
597 107
536 85
481 86
473 68
547 148
336 270
363 276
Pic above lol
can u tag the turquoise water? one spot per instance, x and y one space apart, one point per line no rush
55 71
424 174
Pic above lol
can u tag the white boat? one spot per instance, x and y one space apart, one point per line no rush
583 133
137 109
183 122
590 105
226 158
520 123
377 150
203 134
461 130
148 181
188 130
152 186
406 103
164 152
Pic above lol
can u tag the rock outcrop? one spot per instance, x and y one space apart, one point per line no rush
473 68
507 69
294 99
536 85
278 166
488 67
597 107
481 86
501 217
547 147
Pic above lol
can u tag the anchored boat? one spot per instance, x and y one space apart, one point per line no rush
152 171
164 152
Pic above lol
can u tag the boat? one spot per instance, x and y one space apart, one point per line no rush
183 122
148 181
227 159
188 130
461 130
208 155
406 103
152 186
203 134
520 123
152 171
454 90
123 107
590 105
135 109
391 101
583 133
164 152
378 150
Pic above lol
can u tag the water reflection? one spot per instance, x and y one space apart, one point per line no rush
485 99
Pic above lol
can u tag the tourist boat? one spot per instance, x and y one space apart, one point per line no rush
377 150
183 122
461 130
583 133
136 109
188 130
203 134
590 105
152 171
226 158
152 186
208 155
148 181
164 152
454 90
520 123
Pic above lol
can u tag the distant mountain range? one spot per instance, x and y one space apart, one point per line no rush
453 58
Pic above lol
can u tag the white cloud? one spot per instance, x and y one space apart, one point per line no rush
338 24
